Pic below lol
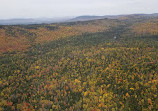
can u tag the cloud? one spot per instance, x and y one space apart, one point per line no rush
58 8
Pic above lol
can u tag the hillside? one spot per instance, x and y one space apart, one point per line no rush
96 65
21 37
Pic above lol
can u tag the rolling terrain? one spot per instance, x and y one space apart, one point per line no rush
96 65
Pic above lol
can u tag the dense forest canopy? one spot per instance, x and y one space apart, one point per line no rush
97 65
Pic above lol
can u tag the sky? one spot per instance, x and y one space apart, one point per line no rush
71 8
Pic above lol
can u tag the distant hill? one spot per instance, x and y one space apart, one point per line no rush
87 18
31 21
70 19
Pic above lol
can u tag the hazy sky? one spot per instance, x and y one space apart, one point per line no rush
62 8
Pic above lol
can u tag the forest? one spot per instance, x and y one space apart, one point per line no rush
97 65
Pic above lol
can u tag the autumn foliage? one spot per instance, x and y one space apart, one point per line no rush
78 66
